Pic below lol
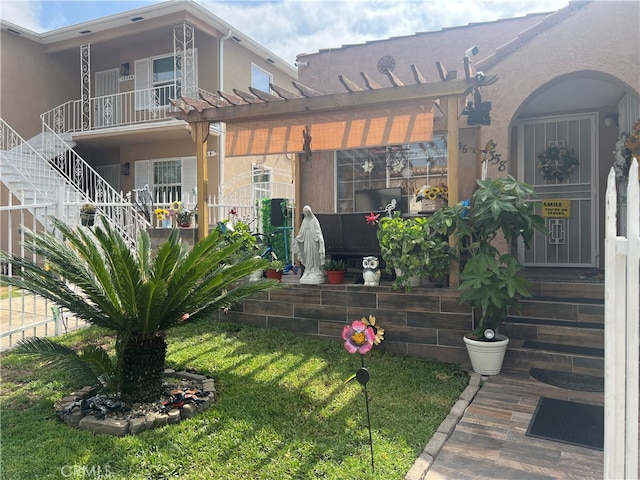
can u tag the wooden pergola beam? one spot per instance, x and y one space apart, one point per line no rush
298 107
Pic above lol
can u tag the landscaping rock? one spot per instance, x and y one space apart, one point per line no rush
188 410
137 425
107 426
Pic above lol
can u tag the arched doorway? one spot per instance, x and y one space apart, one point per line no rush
563 116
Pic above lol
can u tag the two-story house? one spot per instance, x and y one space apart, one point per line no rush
93 100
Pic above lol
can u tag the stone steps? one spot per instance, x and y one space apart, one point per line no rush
560 328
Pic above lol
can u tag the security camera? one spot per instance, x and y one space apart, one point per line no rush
301 64
472 52
479 77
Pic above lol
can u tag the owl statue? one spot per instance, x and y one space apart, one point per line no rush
371 272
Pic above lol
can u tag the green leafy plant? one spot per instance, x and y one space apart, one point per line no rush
334 266
135 294
490 280
275 265
417 246
88 208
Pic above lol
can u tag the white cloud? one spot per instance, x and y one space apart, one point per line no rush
291 27
24 13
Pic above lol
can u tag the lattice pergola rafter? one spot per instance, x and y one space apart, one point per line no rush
368 115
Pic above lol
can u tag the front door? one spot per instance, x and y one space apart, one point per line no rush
107 106
569 193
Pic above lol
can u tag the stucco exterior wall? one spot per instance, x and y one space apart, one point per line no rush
32 82
422 49
572 48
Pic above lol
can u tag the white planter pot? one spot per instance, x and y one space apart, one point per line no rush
486 357
413 281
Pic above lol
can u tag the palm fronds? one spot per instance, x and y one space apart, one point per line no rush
92 367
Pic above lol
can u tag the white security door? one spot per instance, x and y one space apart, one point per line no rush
572 240
107 102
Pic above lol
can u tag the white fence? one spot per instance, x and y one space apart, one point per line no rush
622 333
23 314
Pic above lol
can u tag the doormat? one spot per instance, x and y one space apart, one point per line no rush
575 423
571 381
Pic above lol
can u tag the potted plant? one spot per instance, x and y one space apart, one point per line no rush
490 280
87 214
274 269
162 215
136 295
182 215
416 248
432 197
335 271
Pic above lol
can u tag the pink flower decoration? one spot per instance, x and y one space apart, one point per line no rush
358 337
372 218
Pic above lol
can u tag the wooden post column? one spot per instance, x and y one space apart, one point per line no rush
200 134
450 106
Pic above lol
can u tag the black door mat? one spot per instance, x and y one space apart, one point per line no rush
574 423
571 381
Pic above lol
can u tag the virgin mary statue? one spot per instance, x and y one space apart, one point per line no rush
309 246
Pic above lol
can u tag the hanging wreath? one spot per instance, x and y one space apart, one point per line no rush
558 163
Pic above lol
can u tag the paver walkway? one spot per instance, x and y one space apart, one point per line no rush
489 441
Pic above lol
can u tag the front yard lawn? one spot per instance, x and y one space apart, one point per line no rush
283 411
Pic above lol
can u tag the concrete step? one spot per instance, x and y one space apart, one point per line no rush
560 330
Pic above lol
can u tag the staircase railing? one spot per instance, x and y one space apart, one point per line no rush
84 178
18 157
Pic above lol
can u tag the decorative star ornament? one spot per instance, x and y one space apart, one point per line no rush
372 218
367 166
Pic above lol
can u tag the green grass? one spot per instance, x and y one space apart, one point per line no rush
283 412
4 292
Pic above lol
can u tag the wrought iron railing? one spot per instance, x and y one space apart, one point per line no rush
84 178
26 172
116 110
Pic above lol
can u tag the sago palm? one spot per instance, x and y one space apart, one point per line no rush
135 293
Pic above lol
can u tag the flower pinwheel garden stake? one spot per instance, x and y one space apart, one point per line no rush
359 337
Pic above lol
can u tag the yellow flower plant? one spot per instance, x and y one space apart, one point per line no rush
432 192
161 214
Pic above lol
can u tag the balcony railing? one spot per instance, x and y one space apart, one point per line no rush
117 110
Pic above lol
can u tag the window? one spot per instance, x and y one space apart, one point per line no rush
406 166
261 183
261 79
164 78
157 79
167 181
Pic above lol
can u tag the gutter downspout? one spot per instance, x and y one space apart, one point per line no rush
223 126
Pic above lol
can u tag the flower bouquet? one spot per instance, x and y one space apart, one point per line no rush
182 215
433 197
162 214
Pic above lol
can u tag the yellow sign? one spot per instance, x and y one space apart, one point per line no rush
556 208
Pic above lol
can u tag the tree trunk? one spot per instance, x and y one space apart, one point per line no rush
142 369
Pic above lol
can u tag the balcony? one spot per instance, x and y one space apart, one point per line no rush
126 109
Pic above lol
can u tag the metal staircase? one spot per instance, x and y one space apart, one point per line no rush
30 178
46 169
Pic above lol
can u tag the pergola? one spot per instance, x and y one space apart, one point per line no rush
304 120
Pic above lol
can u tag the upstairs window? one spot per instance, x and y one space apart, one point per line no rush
261 79
165 79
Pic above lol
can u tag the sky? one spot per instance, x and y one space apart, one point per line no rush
291 27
